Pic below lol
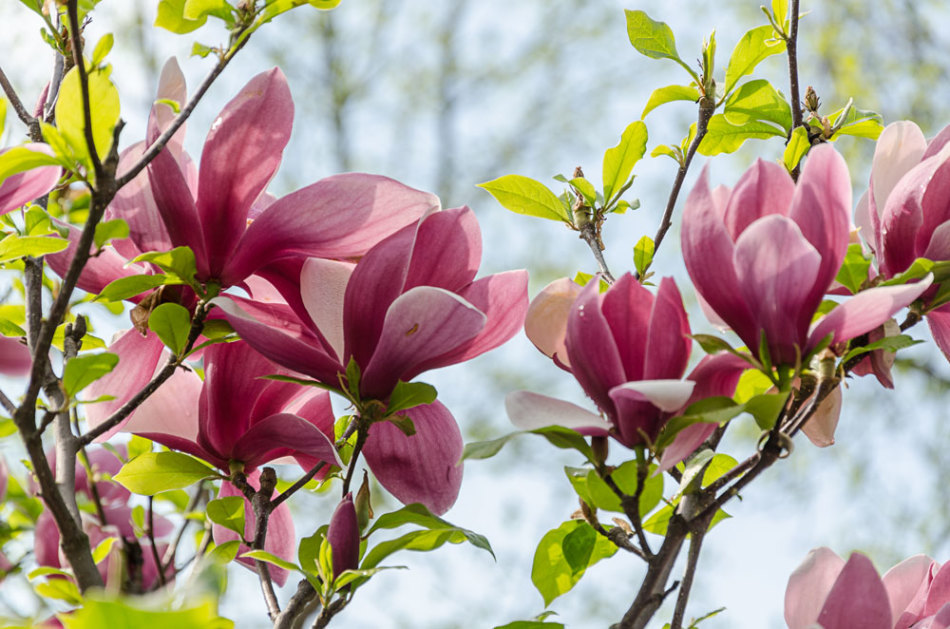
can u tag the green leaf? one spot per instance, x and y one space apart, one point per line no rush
857 122
118 614
85 369
138 445
225 553
724 137
563 556
21 159
59 589
349 576
228 512
643 255
171 16
765 408
919 268
13 247
531 624
620 160
416 540
103 548
524 195
756 45
758 101
854 270
266 557
560 437
586 189
752 382
104 104
409 395
798 145
888 344
324 5
126 287
658 522
713 410
102 49
419 515
668 94
199 10
180 262
115 229
653 39
154 472
718 466
172 323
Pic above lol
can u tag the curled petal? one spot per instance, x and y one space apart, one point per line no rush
820 428
939 594
907 584
595 358
280 435
529 411
545 323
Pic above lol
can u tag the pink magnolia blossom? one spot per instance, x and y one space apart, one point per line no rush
629 351
409 305
15 358
904 214
22 188
827 592
764 255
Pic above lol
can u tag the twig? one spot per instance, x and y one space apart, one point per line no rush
631 508
328 612
21 111
72 9
290 491
169 558
791 48
8 405
589 235
261 513
360 440
151 539
692 560
298 606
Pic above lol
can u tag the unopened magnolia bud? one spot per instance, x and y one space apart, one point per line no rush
811 102
344 537
600 446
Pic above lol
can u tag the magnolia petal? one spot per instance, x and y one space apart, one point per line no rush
343 216
668 343
15 358
423 467
423 323
899 148
666 395
939 246
809 585
135 204
171 410
939 322
641 407
778 269
280 435
820 428
708 252
865 311
447 250
765 188
868 229
545 323
628 307
171 86
939 594
529 411
176 205
322 288
21 188
857 599
240 156
934 206
98 271
902 218
907 584
685 443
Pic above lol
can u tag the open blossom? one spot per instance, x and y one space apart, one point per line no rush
629 351
904 214
409 305
764 255
827 592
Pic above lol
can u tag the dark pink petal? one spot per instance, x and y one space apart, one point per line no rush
939 322
907 584
857 599
281 435
322 289
21 188
528 411
937 143
939 594
545 323
447 250
422 323
822 209
809 585
343 535
642 406
595 359
15 358
778 269
668 344
765 188
685 443
938 248
628 306
708 252
314 407
46 541
342 216
135 204
865 311
98 271
935 203
239 158
274 331
940 620
424 467
176 205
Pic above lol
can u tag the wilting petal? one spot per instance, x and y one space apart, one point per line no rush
344 536
708 252
907 584
627 307
865 311
322 287
778 269
857 599
765 188
342 216
595 359
422 323
529 411
545 323
668 344
820 428
240 156
424 467
809 585
15 358
280 435
21 188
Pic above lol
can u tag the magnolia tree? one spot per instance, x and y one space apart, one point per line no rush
144 468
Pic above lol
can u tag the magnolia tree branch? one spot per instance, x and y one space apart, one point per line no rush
791 48
301 604
18 107
692 561
72 10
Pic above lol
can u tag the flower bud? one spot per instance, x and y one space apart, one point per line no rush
344 536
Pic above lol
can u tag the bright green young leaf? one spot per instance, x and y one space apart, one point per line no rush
693 466
199 10
658 522
755 46
409 395
180 261
798 145
780 10
758 100
138 445
669 94
103 548
765 408
20 159
102 49
560 437
586 189
85 369
918 268
266 557
524 195
228 512
857 122
889 344
59 589
115 229
419 515
854 270
171 16
712 410
531 624
225 553
154 472
104 104
13 247
126 287
44 571
172 323
3 114
724 137
349 576
426 540
36 222
324 5
643 255
718 465
117 614
752 382
620 160
712 344
653 39
563 556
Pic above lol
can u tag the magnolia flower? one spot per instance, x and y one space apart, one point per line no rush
826 592
629 351
764 255
409 305
904 213
21 188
